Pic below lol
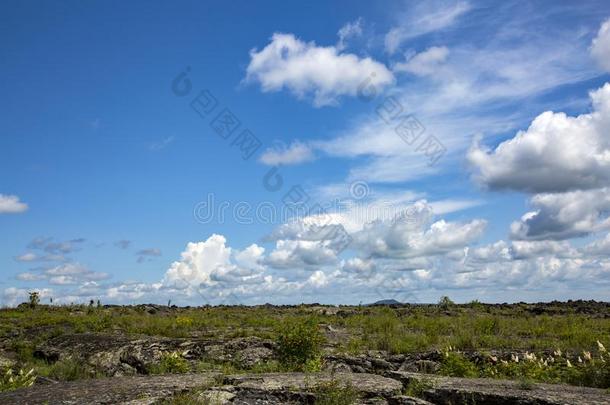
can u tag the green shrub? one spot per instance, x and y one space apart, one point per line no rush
299 344
170 363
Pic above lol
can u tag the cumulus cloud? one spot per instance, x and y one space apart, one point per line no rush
207 263
556 153
424 63
294 154
565 215
306 69
600 47
531 249
10 204
298 254
408 232
397 238
358 265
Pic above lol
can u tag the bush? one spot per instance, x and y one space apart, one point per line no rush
171 363
299 344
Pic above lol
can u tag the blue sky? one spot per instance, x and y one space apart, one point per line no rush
106 174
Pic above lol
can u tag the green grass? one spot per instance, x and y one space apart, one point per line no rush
296 330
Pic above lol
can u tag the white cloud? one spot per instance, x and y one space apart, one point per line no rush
413 234
69 269
33 257
26 257
600 48
358 266
27 276
424 63
298 254
600 247
556 153
318 279
350 30
10 204
532 249
424 18
207 263
565 215
306 69
468 94
63 280
294 154
65 274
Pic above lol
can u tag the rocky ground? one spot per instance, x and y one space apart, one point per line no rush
122 370
298 388
376 377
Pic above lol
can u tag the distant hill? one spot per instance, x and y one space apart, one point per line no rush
386 302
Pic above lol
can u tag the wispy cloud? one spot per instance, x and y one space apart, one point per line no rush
281 154
600 48
144 254
123 244
350 30
423 18
161 144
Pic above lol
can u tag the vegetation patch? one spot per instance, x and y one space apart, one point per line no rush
299 344
335 392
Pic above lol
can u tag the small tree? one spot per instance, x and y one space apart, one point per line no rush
445 302
34 299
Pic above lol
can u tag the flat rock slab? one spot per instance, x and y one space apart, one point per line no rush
368 385
118 390
483 391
